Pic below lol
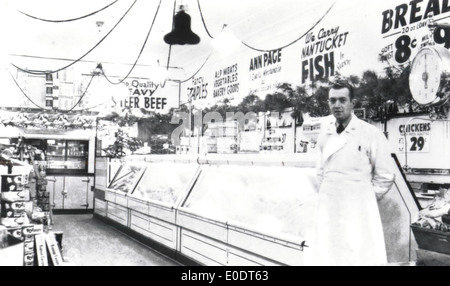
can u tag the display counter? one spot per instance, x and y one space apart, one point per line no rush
243 207
237 209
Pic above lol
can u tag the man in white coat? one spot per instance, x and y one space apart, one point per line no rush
354 169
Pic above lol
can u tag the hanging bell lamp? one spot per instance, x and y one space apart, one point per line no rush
98 69
181 31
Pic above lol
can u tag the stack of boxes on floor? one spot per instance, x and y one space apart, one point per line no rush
27 220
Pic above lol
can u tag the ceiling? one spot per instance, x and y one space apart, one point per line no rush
42 45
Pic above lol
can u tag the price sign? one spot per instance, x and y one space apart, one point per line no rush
406 27
416 144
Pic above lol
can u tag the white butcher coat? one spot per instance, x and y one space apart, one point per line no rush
354 167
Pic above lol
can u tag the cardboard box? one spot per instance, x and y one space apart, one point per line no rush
14 222
32 229
41 250
29 246
14 209
19 194
16 232
28 258
15 206
53 249
12 255
10 182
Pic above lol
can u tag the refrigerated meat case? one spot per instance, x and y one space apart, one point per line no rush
234 209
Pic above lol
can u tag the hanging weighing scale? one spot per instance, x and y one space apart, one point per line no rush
429 80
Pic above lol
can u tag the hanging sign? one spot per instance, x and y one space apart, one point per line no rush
264 70
320 53
406 28
223 83
198 89
226 82
142 96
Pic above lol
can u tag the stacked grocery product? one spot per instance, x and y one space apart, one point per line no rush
273 141
25 212
14 205
15 200
222 137
42 195
11 249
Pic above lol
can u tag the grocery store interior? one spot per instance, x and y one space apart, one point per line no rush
185 132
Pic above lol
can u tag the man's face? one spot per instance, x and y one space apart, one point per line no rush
340 104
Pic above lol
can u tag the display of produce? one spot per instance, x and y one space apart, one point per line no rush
432 229
164 182
273 205
437 214
127 177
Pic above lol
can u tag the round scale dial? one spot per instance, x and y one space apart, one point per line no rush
429 72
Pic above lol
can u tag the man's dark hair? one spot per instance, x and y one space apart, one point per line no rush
340 84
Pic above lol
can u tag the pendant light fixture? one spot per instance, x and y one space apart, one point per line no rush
98 70
181 30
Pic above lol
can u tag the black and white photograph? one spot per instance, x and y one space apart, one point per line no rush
252 133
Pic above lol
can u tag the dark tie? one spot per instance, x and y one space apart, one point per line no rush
340 129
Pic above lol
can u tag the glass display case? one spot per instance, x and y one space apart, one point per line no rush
271 205
65 156
62 157
127 177
238 210
56 154
164 182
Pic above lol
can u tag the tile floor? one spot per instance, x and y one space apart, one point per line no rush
90 242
